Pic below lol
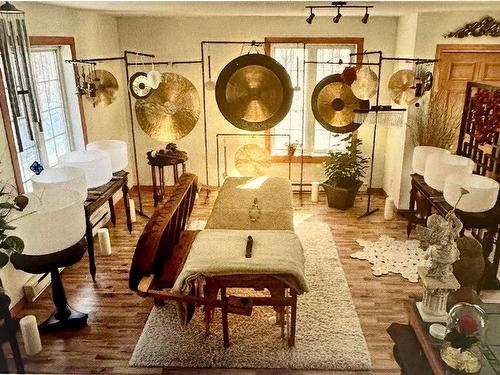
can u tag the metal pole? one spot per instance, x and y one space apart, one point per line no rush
205 130
140 211
303 118
368 211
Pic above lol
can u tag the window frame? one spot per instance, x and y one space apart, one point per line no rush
268 42
35 41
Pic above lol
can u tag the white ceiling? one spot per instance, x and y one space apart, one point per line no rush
268 8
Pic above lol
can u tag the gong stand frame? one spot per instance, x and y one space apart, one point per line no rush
251 43
221 135
128 63
379 108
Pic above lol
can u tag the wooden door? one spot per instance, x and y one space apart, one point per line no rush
459 64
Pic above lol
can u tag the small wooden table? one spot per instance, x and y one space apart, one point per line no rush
159 185
431 346
424 199
96 198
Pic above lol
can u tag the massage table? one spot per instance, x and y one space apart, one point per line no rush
196 268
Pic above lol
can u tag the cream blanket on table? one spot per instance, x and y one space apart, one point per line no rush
274 197
219 252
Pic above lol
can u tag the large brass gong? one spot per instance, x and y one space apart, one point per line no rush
254 92
333 104
171 111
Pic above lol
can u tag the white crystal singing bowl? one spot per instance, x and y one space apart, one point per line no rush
65 178
117 151
420 154
482 196
52 221
95 163
439 166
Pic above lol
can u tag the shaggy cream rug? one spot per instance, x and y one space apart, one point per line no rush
328 337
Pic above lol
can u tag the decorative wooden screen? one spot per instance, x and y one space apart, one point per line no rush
480 129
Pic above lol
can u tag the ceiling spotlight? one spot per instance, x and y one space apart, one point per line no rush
336 19
365 17
309 19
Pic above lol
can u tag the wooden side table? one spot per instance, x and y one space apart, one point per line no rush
96 198
431 346
158 178
485 225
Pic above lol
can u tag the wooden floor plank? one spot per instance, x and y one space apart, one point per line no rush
117 316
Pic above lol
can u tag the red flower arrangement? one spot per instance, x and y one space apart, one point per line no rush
464 334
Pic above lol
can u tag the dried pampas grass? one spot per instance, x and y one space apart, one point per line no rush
436 122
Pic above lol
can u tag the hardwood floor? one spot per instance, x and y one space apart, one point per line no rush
117 316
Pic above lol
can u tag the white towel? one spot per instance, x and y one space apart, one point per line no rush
220 252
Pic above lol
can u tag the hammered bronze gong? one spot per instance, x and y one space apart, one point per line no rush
106 88
252 160
254 92
171 111
333 104
402 87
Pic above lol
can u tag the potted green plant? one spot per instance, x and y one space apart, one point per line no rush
9 243
344 170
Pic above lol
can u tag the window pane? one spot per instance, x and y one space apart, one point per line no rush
292 59
55 137
317 139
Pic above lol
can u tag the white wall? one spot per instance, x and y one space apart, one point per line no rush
95 35
396 135
179 38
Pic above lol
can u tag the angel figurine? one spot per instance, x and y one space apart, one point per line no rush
441 234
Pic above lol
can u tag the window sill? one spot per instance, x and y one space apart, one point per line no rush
298 159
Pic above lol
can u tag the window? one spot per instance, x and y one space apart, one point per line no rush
290 53
55 140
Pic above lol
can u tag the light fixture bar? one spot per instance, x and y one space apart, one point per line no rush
338 5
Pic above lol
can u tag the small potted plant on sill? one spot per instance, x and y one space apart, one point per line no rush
292 147
344 170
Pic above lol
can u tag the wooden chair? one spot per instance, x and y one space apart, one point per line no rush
162 250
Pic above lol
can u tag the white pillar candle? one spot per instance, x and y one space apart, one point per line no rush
131 204
31 336
389 208
104 241
314 191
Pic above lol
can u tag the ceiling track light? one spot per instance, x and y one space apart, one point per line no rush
338 5
309 19
365 17
336 19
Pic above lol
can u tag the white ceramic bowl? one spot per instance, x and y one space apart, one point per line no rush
117 151
420 154
65 178
95 163
482 196
52 221
439 166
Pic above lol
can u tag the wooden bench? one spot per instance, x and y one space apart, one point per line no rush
161 253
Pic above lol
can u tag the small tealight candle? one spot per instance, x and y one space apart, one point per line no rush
131 204
104 241
31 336
315 192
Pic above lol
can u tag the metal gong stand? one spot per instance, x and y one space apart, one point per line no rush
251 44
127 59
377 108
